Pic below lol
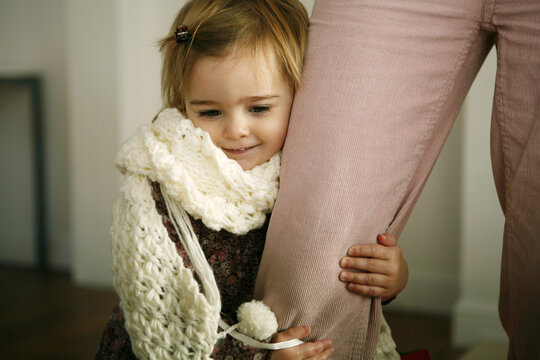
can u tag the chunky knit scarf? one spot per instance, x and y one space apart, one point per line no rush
167 315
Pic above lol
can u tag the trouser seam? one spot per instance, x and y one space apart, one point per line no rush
435 114
488 9
372 304
363 344
503 131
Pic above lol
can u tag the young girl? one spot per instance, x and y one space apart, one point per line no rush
189 227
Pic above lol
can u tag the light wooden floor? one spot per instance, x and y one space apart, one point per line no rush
44 316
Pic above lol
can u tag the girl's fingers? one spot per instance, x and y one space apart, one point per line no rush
368 279
375 251
365 264
307 350
314 349
326 354
365 290
386 239
297 332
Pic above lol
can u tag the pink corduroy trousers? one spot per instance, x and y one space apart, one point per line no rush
383 83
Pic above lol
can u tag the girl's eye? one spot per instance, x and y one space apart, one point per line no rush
259 109
210 113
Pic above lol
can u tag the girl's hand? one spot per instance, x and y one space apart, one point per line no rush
318 350
378 269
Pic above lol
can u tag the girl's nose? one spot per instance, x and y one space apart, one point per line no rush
237 127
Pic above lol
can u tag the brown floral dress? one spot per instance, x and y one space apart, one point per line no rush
235 262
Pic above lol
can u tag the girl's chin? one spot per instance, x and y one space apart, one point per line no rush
245 159
247 164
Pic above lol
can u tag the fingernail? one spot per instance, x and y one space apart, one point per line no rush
343 276
329 342
383 236
343 262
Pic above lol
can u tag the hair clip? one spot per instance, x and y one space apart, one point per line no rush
182 34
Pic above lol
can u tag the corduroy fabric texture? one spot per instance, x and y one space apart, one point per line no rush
382 85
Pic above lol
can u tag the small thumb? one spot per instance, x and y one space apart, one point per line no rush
386 239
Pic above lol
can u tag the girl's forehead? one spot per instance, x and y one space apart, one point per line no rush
260 61
239 72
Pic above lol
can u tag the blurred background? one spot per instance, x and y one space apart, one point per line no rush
78 77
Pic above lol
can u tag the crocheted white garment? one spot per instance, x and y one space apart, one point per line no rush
386 347
166 314
197 174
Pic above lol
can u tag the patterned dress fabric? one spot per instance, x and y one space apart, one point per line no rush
234 260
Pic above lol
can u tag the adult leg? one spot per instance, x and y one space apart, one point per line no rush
383 82
516 165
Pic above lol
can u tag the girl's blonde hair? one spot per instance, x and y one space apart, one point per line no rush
217 27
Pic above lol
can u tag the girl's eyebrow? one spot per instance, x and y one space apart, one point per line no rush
245 99
202 102
258 98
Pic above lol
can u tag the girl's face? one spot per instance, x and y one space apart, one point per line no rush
243 102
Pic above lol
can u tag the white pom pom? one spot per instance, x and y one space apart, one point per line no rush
256 320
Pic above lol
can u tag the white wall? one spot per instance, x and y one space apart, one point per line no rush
93 133
431 238
140 25
32 42
476 316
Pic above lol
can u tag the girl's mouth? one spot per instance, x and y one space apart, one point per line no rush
239 151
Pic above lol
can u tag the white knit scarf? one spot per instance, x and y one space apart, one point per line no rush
167 316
